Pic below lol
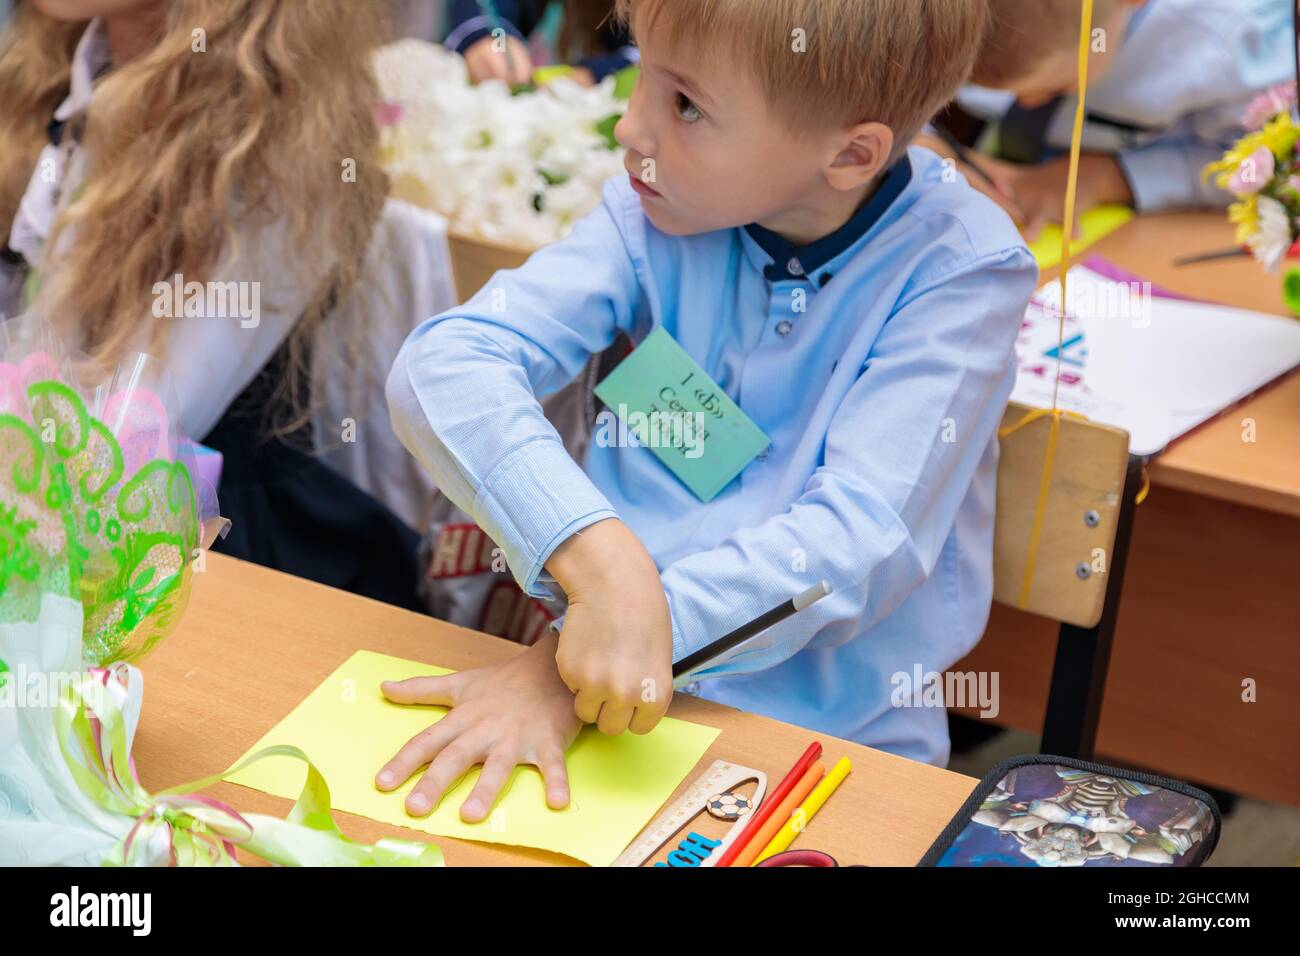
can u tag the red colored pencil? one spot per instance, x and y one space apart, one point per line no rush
771 802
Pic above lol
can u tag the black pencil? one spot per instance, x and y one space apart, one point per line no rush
1211 256
743 633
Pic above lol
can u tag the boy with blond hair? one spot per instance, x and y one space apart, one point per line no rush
858 305
1168 82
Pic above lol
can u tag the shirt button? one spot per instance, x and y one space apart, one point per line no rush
783 327
692 688
794 267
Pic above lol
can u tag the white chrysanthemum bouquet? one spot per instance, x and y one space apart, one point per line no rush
513 168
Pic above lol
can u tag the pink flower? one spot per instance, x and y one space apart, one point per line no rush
1268 104
389 113
1254 172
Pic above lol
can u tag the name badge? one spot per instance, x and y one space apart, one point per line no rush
676 410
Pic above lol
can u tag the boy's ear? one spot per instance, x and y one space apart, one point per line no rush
862 158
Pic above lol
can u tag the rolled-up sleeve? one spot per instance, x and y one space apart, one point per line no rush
463 393
901 453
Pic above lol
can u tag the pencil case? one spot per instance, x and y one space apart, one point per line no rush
1039 810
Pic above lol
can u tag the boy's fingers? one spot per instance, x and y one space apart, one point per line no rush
447 768
418 751
586 704
614 718
496 772
646 717
440 691
556 777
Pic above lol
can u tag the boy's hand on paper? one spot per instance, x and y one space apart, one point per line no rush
516 712
616 649
485 60
1039 190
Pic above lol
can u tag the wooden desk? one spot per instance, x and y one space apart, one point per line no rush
1214 460
1210 594
254 643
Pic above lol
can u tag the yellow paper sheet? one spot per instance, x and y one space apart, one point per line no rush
1096 224
349 731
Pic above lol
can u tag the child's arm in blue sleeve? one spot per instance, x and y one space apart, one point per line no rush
873 519
463 392
1252 50
1167 175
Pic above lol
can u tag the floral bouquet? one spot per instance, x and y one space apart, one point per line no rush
1263 172
100 529
516 168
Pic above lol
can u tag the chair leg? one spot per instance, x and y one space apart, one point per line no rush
1083 654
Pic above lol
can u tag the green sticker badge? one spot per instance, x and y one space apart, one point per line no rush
672 406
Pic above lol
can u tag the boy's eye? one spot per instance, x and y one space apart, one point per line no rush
686 110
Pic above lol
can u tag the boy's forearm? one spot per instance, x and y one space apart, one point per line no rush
594 557
600 555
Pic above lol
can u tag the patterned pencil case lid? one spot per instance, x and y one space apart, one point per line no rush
1040 810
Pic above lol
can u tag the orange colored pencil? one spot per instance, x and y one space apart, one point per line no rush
781 816
770 803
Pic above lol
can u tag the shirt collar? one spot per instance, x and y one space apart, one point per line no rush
799 262
89 61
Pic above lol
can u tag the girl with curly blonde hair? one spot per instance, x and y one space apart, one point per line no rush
146 145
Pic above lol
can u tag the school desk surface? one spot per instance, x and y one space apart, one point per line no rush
253 643
1214 460
1209 594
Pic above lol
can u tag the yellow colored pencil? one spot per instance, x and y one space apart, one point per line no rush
807 810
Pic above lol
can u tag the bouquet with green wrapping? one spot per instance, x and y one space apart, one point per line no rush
101 528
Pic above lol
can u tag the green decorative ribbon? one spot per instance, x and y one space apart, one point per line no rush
181 827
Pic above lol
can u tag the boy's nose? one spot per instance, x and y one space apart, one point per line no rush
631 133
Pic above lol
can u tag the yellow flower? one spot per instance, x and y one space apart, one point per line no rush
1246 216
1279 136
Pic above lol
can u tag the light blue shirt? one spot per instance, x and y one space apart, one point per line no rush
1184 74
881 398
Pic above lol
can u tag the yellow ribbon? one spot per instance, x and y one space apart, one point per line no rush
1071 194
1044 484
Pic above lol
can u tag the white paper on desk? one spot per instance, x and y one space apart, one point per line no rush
1153 366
